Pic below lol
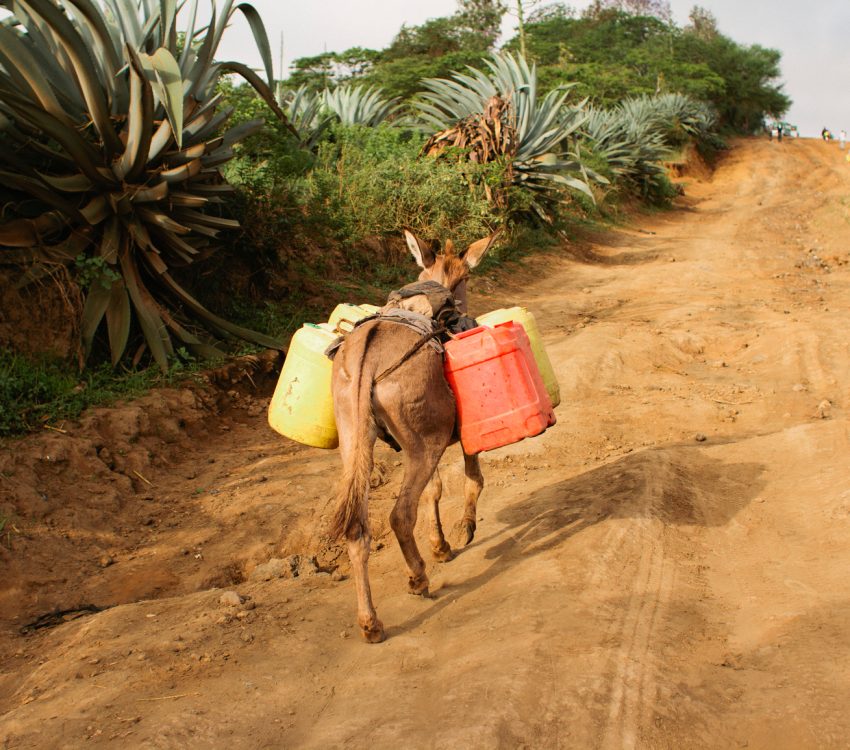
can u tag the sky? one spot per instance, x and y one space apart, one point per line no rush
814 40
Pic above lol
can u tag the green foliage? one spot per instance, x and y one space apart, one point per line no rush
433 49
115 146
43 391
329 69
639 135
402 76
750 74
614 53
370 182
540 157
359 105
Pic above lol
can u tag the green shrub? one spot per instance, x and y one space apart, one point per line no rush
371 182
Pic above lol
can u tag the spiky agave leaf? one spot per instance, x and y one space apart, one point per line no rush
633 146
359 105
306 111
541 152
636 136
113 143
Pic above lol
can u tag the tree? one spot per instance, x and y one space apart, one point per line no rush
613 53
553 10
484 16
430 50
657 8
703 24
332 68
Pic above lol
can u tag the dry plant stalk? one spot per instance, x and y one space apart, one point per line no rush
484 138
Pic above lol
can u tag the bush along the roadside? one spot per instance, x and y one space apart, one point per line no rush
371 182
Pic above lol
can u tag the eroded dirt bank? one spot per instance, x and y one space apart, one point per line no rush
665 568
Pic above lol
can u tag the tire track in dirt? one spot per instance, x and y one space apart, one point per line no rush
633 678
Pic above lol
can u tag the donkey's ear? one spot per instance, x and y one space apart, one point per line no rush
477 250
421 251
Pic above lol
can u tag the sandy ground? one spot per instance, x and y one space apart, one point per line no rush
665 568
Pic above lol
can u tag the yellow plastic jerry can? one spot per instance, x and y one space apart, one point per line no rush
346 314
522 316
302 405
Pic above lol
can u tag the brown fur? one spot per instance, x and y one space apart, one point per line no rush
415 405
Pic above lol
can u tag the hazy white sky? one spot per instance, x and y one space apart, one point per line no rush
814 39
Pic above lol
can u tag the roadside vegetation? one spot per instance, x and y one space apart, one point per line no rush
200 208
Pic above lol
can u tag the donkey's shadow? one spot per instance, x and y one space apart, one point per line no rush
676 485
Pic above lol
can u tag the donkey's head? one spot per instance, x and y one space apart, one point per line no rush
449 268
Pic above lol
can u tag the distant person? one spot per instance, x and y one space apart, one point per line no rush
842 136
779 132
825 134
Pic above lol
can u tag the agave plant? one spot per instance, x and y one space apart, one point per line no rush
637 136
359 105
543 129
305 110
633 146
112 146
686 118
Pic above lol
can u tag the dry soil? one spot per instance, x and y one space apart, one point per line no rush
667 567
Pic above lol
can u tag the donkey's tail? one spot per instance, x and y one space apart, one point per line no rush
351 516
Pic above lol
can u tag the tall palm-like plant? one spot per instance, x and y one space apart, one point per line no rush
540 151
112 143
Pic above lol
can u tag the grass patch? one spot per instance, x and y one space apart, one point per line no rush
38 392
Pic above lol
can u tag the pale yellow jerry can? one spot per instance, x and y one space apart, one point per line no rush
522 316
345 315
302 405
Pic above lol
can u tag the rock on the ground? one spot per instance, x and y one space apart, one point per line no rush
230 599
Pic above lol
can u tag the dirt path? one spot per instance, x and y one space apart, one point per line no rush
666 568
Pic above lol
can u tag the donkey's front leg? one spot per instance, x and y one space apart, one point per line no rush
473 483
359 540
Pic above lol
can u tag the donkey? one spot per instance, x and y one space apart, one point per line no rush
414 405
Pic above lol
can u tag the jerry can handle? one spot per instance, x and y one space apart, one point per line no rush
350 323
470 332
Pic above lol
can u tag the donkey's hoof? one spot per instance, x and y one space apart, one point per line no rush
374 632
418 586
465 531
444 553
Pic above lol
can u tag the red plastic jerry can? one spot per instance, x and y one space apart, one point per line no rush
500 394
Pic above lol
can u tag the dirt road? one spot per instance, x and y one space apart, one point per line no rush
666 568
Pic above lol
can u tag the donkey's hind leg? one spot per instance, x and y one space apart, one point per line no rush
440 548
418 470
472 485
359 540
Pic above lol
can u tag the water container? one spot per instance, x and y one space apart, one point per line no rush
346 314
302 405
527 321
501 397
